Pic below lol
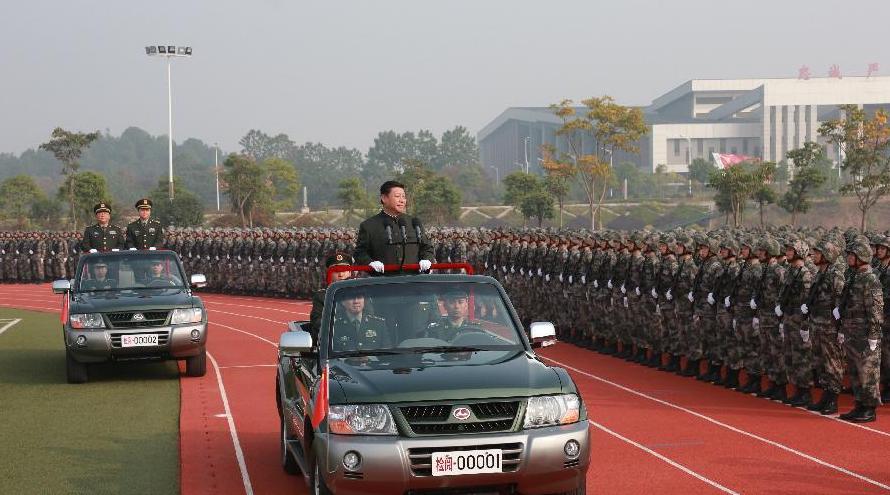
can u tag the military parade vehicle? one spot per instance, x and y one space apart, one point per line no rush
429 383
132 305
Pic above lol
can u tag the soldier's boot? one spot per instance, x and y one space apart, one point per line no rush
732 378
608 348
712 373
788 398
641 356
767 392
673 364
885 395
866 415
779 393
655 360
817 406
752 386
692 367
719 379
801 398
857 409
830 406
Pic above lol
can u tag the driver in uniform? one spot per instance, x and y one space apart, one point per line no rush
100 278
156 276
456 320
355 329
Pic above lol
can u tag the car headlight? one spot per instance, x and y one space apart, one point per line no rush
186 315
361 419
86 320
550 410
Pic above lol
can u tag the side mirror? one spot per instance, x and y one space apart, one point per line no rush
292 344
542 334
61 286
199 280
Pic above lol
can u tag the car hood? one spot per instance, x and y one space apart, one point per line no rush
109 301
519 375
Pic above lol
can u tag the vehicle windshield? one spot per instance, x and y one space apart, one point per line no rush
420 318
137 271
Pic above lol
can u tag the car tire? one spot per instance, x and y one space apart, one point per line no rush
579 491
316 482
76 372
196 365
287 458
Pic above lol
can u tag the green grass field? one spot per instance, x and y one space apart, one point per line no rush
119 433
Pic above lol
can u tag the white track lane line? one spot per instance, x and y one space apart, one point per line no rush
246 333
239 454
249 316
9 325
254 299
724 425
249 366
665 459
265 308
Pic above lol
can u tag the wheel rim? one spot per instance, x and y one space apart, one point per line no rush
316 488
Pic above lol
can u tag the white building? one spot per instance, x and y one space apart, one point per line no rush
763 118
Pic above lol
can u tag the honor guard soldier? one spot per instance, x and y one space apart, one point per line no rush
145 233
392 237
103 236
315 314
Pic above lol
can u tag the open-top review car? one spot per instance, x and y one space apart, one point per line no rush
427 384
132 305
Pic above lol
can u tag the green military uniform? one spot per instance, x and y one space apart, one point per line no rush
103 238
145 234
368 332
375 244
446 330
318 296
98 284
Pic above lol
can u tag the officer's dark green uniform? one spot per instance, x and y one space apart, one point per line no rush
373 242
446 330
354 335
145 234
103 238
318 296
94 284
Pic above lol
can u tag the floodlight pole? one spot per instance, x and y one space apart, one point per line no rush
170 126
216 168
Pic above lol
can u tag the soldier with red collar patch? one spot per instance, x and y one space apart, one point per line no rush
103 236
146 232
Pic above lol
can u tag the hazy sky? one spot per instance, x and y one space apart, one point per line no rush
340 71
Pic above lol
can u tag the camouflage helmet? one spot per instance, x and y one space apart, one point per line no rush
730 244
829 250
770 246
686 242
861 249
883 240
800 247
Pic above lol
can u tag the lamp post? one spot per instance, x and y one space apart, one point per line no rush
216 169
525 141
497 174
168 52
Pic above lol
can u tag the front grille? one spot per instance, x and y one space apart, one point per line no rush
163 338
436 419
571 464
350 475
422 458
124 319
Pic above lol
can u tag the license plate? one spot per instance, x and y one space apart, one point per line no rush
466 462
139 340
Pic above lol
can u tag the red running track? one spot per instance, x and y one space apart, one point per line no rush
652 432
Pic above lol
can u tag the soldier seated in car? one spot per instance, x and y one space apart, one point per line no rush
355 328
157 276
337 258
456 321
99 280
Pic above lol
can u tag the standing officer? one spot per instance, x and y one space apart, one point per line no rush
145 233
392 236
315 314
103 236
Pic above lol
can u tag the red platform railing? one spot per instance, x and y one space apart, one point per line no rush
405 269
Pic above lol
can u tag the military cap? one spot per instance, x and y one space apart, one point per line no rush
143 203
338 258
100 262
455 293
100 207
861 249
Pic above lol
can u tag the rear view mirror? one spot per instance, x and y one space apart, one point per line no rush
199 280
292 344
61 286
542 334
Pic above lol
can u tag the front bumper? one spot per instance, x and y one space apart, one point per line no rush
386 467
103 344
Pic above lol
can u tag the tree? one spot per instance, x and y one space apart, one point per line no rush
866 144
47 212
67 147
807 177
537 204
352 195
735 185
765 195
457 149
17 198
557 185
700 170
90 188
391 153
438 199
258 187
529 195
261 146
186 209
611 127
661 172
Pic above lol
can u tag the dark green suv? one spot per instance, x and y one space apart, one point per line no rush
427 383
132 305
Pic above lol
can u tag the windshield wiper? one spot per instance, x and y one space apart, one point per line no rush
368 352
445 348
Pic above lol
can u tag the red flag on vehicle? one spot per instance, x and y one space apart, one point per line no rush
320 409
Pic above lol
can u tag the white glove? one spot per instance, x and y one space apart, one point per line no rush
637 291
280 259
690 297
512 269
623 290
152 248
669 295
30 252
93 250
658 309
377 266
625 301
804 309
653 293
486 264
239 258
782 331
873 344
755 322
727 302
840 338
504 268
571 278
425 265
753 304
539 271
778 310
584 279
596 284
132 249
711 300
547 277
115 250
609 283
734 324
216 257
804 335
836 312
560 277
521 271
